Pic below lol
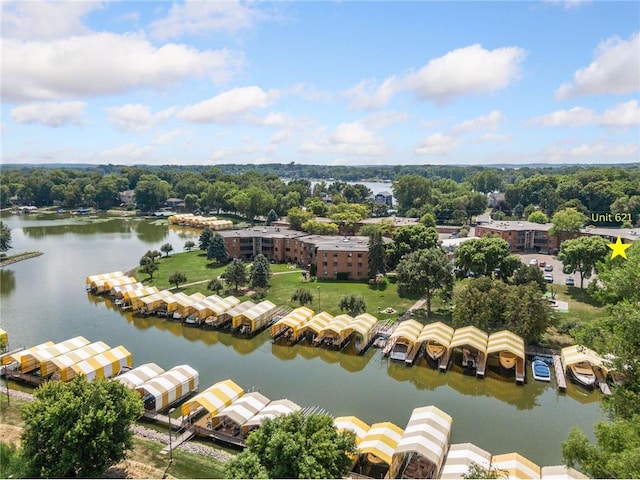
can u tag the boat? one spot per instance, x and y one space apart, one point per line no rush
399 352
508 360
469 359
435 350
541 371
583 374
192 321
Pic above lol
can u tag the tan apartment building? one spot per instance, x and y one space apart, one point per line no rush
521 236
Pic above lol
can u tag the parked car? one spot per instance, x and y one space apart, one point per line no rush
533 262
542 263
569 281
567 269
548 268
548 278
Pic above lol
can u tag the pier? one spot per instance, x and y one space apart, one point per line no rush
444 360
561 381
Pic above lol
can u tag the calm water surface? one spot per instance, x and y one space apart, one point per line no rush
44 299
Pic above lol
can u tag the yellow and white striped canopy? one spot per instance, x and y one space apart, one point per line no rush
273 410
318 322
517 466
238 309
134 296
171 385
25 358
561 472
354 424
471 336
93 280
244 408
338 324
111 283
461 457
60 366
436 332
427 433
381 440
257 315
294 320
362 324
42 356
203 308
104 365
408 330
139 375
506 341
578 353
119 290
214 398
226 304
156 299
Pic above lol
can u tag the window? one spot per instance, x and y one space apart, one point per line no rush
359 255
324 264
359 264
324 254
335 264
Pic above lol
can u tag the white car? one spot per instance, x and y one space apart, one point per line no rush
533 262
548 278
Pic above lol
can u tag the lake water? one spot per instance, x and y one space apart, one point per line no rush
44 299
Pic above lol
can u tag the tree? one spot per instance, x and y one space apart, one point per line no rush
151 192
12 464
215 285
166 248
526 313
530 274
377 255
188 245
484 255
428 220
618 279
566 223
272 216
538 217
191 201
176 278
5 237
354 304
205 238
296 446
303 296
582 254
296 217
152 255
426 272
313 227
150 268
409 239
260 272
217 249
78 429
236 273
480 303
245 465
477 471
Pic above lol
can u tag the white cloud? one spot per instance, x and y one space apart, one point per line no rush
490 121
53 114
198 17
44 20
131 151
437 144
280 137
102 64
494 137
380 120
226 106
615 70
591 152
623 115
466 71
167 137
347 138
136 117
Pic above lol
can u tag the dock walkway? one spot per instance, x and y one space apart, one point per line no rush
561 381
444 360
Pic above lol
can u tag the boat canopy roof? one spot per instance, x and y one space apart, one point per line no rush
517 466
240 308
93 280
409 330
363 324
22 356
118 282
120 290
381 440
339 324
273 410
436 332
472 336
578 353
427 434
461 458
260 309
105 364
504 340
139 375
214 398
294 320
561 472
354 424
65 360
171 385
44 354
245 408
318 322
140 293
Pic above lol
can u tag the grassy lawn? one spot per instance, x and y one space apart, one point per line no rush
193 264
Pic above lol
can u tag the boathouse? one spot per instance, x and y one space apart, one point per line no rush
273 410
92 281
516 466
360 329
23 360
109 284
42 356
291 324
403 340
473 342
203 308
234 417
137 376
460 459
213 399
169 387
59 368
436 339
315 325
119 290
357 426
335 334
509 348
104 365
376 457
226 316
254 319
561 472
131 299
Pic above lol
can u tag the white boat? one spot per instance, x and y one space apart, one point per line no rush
583 374
508 360
435 350
399 352
540 371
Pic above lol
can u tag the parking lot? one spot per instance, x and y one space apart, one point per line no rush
558 277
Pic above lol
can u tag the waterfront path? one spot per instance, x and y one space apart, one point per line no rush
18 258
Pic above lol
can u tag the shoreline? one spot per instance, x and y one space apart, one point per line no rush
19 258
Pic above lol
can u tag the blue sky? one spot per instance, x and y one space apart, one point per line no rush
339 83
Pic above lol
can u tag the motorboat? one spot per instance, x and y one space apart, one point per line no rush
469 359
508 360
435 350
399 352
541 371
583 374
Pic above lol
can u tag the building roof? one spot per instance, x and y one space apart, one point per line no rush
509 225
630 234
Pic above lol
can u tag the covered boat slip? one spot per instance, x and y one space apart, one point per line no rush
516 466
233 418
184 304
403 340
139 375
198 221
425 441
105 365
92 281
224 310
254 319
109 284
42 356
24 361
335 334
214 398
510 349
474 348
577 354
315 325
273 410
357 426
131 299
169 387
461 458
436 338
119 290
376 457
202 308
154 302
59 368
289 326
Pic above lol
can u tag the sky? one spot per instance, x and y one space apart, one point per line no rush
312 82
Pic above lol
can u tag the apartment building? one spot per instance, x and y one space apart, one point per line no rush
521 236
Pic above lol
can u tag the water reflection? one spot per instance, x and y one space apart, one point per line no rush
7 282
88 226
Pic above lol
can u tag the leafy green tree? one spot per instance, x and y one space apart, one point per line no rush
484 255
316 206
303 296
477 471
480 303
188 245
12 464
297 446
166 248
217 249
615 455
313 227
5 237
353 304
296 217
272 216
149 268
583 254
260 272
409 239
426 272
412 191
245 465
618 279
215 285
428 220
538 217
152 255
566 223
205 238
218 196
236 273
377 255
191 201
176 278
252 202
486 181
526 313
78 429
530 274
151 192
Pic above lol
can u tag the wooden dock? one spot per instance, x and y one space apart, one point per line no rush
482 365
602 381
444 360
561 381
411 356
521 368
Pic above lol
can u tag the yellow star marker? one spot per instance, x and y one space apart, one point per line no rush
618 248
